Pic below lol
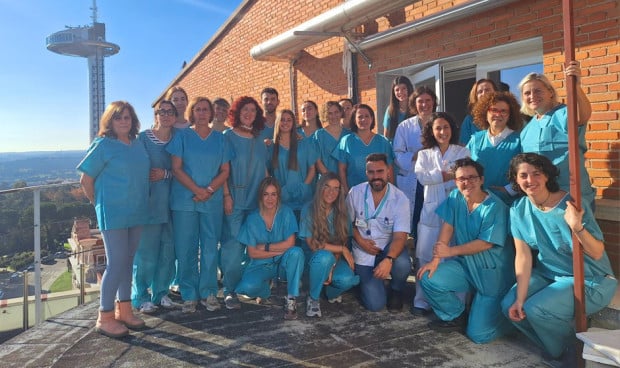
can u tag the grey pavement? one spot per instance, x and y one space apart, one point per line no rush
257 336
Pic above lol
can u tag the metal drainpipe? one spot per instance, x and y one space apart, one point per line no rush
354 87
291 76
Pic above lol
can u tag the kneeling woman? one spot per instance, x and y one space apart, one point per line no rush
325 229
541 304
269 234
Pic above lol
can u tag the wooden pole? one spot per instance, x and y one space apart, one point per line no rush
575 168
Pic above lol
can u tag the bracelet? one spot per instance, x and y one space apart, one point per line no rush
267 246
210 189
583 227
390 258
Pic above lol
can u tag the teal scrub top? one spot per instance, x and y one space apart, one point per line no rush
254 230
548 136
495 159
467 129
248 167
325 144
492 270
159 191
294 191
386 119
352 151
121 173
547 232
202 159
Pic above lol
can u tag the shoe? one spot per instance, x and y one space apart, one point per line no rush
167 303
290 309
189 306
337 299
271 300
395 301
566 360
147 307
232 302
211 303
174 290
313 307
123 312
420 312
455 325
108 326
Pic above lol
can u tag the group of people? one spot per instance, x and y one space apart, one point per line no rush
244 189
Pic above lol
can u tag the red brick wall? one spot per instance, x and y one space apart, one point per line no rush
227 70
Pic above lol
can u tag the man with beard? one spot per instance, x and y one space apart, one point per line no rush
379 213
270 100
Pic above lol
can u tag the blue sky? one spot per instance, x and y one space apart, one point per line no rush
44 96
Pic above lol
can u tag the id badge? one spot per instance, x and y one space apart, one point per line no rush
360 223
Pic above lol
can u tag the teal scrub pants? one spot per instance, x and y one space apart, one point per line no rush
232 252
486 321
192 230
319 267
153 265
550 308
257 276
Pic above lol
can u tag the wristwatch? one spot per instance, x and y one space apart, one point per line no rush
390 258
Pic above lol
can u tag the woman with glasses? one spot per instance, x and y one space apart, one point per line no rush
325 229
541 304
154 265
292 162
479 262
353 148
327 138
200 162
269 234
469 127
498 115
433 169
547 131
115 178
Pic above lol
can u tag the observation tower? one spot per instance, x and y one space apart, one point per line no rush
88 42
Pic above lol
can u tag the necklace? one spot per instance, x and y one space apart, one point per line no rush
541 204
246 128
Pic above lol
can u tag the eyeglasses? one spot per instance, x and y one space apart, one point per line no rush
493 110
331 189
465 179
162 112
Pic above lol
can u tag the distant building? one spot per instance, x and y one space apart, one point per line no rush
86 249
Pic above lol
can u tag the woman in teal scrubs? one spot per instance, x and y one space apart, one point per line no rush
327 138
115 178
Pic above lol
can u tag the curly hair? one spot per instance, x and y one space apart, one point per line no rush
428 138
473 93
353 125
234 114
292 149
541 163
114 111
320 226
479 112
326 107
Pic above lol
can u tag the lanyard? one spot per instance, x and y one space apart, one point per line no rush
379 208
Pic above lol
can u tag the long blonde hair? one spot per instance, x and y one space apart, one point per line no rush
320 225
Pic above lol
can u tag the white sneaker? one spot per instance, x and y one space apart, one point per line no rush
211 303
232 302
189 306
337 299
148 307
167 303
313 307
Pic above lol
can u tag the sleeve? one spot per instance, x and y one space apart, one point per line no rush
247 233
93 163
389 151
403 158
402 218
426 172
515 221
386 121
340 152
289 223
351 207
305 223
175 146
466 129
447 209
229 153
471 146
494 226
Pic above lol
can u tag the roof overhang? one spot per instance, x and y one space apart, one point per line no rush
344 17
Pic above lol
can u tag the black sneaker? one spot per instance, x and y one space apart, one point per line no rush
455 325
394 301
420 312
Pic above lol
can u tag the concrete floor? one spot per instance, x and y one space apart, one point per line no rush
257 336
